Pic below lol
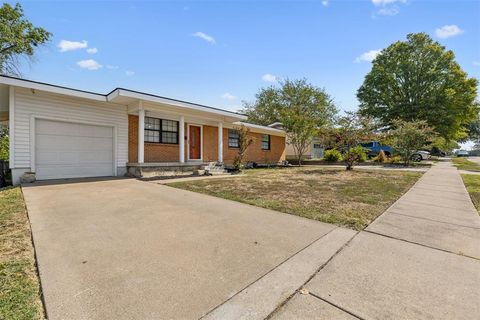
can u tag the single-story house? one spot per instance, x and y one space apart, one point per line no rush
58 132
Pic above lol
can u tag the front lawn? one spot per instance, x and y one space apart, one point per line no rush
465 164
19 285
472 183
352 199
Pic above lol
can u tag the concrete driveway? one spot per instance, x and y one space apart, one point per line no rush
126 249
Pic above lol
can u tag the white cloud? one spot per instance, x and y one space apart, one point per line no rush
66 45
129 73
368 56
228 96
448 31
390 11
92 50
108 66
325 3
205 37
382 3
476 63
387 7
269 77
89 64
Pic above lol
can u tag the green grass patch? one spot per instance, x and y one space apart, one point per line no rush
465 164
346 198
472 183
19 284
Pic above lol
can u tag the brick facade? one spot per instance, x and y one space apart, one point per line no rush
156 152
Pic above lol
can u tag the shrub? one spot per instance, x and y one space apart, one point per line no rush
332 155
394 159
381 157
244 141
354 155
4 144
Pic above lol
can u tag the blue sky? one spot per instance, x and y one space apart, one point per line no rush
220 53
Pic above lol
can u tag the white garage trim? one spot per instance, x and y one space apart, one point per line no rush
33 119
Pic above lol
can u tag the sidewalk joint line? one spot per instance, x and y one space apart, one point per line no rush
267 273
449 223
433 205
423 245
337 306
313 275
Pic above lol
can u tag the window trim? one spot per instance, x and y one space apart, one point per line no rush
238 143
160 131
269 142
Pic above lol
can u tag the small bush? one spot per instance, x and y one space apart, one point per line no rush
332 155
4 144
354 155
394 159
381 157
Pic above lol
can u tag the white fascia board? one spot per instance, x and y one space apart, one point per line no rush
261 129
51 88
151 98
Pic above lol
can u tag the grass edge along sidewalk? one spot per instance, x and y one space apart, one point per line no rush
472 183
19 284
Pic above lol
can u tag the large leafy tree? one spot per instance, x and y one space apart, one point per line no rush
301 107
418 79
18 38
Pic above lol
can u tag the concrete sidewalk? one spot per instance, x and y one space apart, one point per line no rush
419 260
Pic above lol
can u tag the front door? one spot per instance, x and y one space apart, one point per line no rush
195 142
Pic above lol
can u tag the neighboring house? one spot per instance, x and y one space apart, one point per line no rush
58 132
314 151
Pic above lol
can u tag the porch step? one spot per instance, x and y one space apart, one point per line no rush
214 168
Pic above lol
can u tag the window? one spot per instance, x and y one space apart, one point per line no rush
233 138
265 142
161 131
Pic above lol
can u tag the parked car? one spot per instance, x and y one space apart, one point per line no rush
437 152
374 148
420 155
461 153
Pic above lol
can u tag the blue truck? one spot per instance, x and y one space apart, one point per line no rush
374 148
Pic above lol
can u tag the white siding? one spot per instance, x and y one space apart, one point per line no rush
59 107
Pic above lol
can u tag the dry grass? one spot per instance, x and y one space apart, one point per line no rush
351 199
19 285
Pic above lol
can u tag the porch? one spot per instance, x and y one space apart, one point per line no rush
167 169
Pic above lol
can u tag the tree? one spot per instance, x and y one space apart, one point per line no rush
418 79
18 38
301 107
244 141
351 131
408 137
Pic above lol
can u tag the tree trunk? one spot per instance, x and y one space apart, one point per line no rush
300 160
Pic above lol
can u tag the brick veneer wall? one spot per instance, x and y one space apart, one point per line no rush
255 152
155 152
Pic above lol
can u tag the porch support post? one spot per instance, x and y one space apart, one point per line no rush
220 142
141 129
181 140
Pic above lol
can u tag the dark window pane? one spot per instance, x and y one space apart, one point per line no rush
266 142
169 137
169 125
232 138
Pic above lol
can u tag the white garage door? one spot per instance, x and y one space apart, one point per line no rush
72 150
